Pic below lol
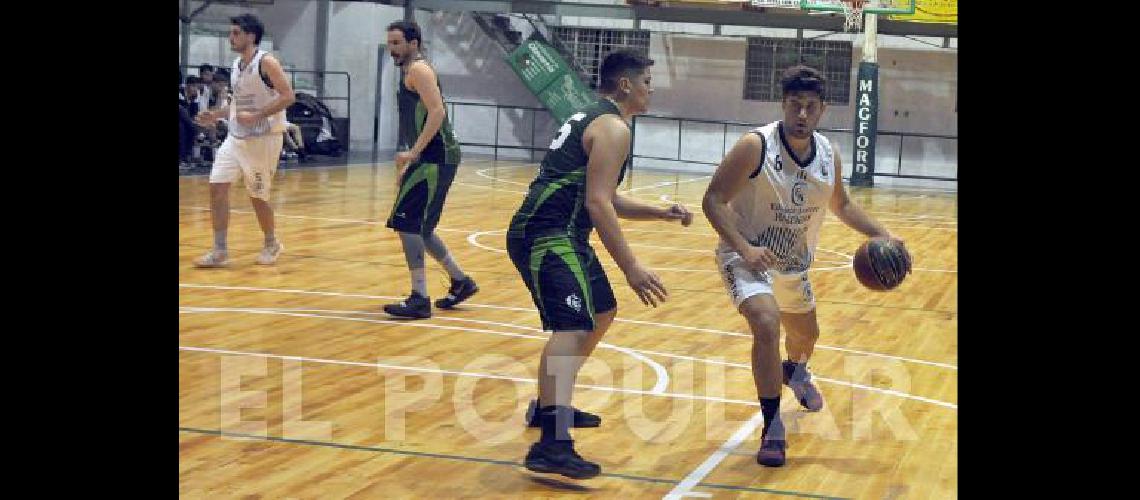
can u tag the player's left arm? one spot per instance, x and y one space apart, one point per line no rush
285 97
632 209
423 82
848 211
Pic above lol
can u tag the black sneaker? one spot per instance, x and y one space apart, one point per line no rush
772 449
460 290
581 418
415 306
559 457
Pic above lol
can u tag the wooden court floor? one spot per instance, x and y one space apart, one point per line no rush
293 383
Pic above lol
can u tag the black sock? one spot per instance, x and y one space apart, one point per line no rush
770 407
555 422
791 368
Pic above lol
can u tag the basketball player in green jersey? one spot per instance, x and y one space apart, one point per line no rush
548 242
425 166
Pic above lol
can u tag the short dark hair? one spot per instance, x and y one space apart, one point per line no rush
410 29
222 74
619 63
249 23
193 80
803 78
204 68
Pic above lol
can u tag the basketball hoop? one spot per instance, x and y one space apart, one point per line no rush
853 12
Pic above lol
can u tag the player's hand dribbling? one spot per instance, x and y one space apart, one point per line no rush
646 285
901 245
678 212
758 258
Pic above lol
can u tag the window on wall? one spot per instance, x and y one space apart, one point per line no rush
767 58
589 46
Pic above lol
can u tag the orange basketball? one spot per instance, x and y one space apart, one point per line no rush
881 264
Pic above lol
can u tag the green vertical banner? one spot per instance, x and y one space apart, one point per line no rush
549 78
866 125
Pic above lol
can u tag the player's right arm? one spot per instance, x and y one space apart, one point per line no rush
606 141
730 176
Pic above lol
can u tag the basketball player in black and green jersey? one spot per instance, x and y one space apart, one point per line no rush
425 167
548 241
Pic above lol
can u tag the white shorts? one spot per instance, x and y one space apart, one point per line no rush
254 158
792 291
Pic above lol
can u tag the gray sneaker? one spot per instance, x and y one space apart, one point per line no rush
268 255
213 258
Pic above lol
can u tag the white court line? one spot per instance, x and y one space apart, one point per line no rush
482 173
531 310
694 478
662 374
283 216
604 388
699 211
472 238
454 183
949 218
658 387
669 183
844 383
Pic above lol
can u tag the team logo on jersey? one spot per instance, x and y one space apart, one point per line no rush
574 302
798 192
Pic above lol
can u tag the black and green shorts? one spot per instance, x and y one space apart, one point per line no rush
419 204
565 279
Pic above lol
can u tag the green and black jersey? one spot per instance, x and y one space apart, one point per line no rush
555 203
443 149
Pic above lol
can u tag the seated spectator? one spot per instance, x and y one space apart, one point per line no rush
294 142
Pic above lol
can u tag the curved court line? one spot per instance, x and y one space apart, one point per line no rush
476 234
492 188
891 392
606 388
473 239
531 310
949 218
662 374
669 183
658 387
482 173
699 212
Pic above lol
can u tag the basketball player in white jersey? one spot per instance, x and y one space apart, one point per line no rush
256 123
767 201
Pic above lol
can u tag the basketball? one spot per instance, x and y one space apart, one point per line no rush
881 264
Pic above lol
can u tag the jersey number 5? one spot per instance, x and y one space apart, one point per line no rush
564 132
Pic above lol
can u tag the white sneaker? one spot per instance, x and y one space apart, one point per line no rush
213 258
268 255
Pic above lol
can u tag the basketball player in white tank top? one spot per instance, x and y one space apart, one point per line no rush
767 201
256 120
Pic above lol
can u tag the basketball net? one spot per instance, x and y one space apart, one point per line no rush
853 12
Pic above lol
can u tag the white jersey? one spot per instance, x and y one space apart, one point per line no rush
250 93
785 201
